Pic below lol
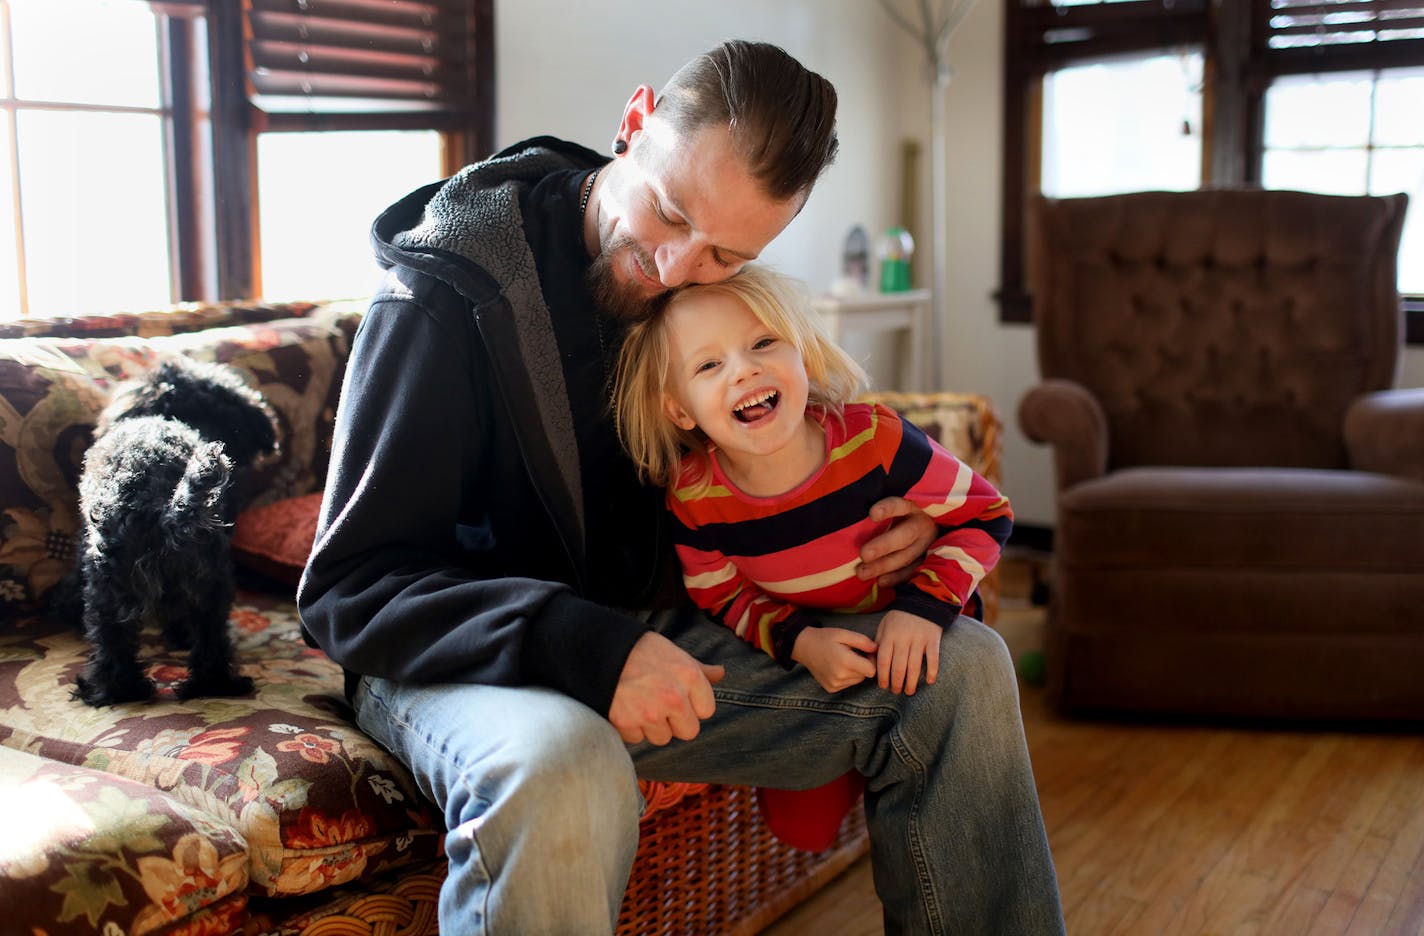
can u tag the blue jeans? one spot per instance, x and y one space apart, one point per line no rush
540 798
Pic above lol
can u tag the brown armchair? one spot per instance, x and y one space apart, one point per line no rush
1240 494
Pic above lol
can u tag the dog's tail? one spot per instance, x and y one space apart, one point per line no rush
196 506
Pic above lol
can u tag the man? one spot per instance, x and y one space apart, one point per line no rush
485 549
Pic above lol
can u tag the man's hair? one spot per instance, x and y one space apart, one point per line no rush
651 439
782 115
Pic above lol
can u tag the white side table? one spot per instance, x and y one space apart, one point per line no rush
904 312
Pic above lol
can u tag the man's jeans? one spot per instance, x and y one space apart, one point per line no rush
540 797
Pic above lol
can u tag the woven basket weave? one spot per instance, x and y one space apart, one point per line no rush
709 865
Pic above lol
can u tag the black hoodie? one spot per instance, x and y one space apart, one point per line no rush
452 543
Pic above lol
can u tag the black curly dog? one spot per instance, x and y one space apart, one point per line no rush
157 501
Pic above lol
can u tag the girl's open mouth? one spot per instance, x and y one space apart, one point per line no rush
757 407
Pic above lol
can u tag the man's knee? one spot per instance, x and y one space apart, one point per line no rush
580 761
543 825
975 661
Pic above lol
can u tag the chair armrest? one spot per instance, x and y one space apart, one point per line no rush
1384 433
1065 415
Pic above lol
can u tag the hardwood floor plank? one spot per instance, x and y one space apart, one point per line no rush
1408 915
1214 815
1339 911
1274 863
1142 838
1401 822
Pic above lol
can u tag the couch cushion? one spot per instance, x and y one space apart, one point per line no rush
87 851
185 317
1262 518
317 802
51 390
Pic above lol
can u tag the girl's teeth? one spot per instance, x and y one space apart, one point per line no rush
754 409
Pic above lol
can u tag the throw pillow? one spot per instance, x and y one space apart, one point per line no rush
275 539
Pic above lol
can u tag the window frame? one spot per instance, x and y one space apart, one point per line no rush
177 112
211 189
1239 68
237 121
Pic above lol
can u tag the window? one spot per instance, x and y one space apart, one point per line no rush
152 152
1320 95
364 172
1352 133
86 166
1157 111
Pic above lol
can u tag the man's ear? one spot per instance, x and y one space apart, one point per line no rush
639 106
677 414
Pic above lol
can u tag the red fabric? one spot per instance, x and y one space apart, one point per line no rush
276 539
810 819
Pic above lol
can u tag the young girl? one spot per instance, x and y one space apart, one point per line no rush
733 398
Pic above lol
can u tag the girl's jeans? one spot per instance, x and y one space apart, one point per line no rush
539 792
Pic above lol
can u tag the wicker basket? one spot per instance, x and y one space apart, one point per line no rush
709 864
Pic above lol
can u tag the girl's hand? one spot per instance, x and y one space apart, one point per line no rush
837 657
907 642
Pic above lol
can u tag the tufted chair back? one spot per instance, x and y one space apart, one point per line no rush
1226 327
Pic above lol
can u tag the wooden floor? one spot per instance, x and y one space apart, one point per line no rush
1174 831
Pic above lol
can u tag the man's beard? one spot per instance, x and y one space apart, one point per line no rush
622 301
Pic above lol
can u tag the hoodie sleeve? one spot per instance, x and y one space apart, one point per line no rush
387 590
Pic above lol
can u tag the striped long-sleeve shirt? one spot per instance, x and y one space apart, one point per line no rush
754 563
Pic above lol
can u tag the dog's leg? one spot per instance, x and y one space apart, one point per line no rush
211 671
111 623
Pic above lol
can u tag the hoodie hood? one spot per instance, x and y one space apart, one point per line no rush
468 231
438 228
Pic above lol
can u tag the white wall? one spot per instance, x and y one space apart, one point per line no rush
568 69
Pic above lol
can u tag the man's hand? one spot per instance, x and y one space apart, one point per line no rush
663 693
908 643
893 556
835 656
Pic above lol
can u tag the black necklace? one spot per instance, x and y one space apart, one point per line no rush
587 191
598 316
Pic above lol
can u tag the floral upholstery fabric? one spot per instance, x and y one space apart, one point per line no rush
316 803
52 389
82 850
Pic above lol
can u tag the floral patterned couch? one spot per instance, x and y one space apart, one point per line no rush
209 816
273 813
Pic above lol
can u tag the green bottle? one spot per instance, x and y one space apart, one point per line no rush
895 249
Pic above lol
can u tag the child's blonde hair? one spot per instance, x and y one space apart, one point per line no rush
654 442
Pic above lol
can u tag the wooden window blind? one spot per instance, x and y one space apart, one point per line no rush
1338 35
377 63
1051 36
